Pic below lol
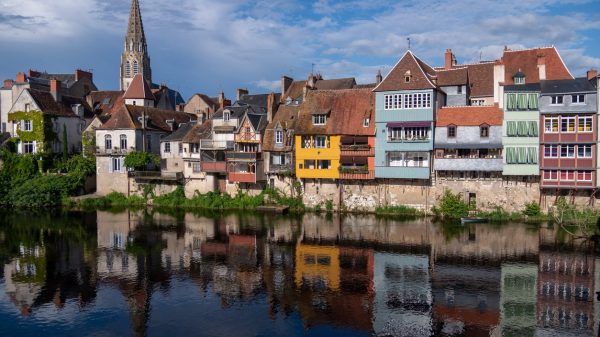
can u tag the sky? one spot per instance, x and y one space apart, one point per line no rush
212 45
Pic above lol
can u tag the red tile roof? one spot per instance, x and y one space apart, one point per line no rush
469 116
421 75
129 117
105 102
348 108
138 89
481 79
527 61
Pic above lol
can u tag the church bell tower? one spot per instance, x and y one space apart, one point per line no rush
135 59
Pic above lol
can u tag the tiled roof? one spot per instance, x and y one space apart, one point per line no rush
198 132
481 79
526 61
138 89
129 117
348 108
335 84
45 101
469 116
285 118
295 90
210 101
420 72
105 102
455 76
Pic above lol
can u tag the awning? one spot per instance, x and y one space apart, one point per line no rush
423 124
469 146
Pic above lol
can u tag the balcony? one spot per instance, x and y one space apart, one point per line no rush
409 140
242 156
247 137
155 176
213 166
356 174
100 151
468 164
242 177
357 150
207 144
281 168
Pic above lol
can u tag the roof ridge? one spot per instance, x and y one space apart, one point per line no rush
528 49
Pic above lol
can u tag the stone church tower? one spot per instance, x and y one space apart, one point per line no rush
135 59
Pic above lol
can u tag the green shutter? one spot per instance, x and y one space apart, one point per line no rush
533 101
522 101
532 155
510 155
533 129
521 128
522 155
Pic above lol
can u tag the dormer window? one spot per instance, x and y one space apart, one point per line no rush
407 76
484 131
278 136
226 116
319 119
519 78
451 131
366 122
288 100
578 99
556 100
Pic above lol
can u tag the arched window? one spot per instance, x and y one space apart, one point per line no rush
123 139
131 45
135 67
127 69
108 142
140 47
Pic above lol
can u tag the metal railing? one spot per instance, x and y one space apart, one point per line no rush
244 156
206 144
113 151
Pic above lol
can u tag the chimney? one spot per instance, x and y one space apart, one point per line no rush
270 107
239 93
222 99
21 78
79 74
378 77
55 89
8 84
311 81
33 73
541 64
450 59
171 123
591 74
286 82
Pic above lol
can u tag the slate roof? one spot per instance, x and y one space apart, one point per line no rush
180 133
198 132
528 87
259 102
421 75
577 85
347 109
45 101
526 61
66 80
335 84
469 116
129 117
286 118
139 89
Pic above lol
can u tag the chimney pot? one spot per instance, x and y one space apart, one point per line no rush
55 89
591 74
8 84
449 59
21 78
270 107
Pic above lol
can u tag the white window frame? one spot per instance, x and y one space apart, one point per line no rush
585 175
366 122
568 119
557 151
551 173
319 119
116 165
587 151
123 141
278 136
27 125
575 99
567 151
551 120
318 139
226 116
587 121
557 100
27 144
567 172
167 147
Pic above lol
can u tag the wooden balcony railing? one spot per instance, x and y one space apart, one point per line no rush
213 166
357 174
241 177
250 137
357 150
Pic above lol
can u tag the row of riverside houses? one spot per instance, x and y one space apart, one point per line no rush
521 119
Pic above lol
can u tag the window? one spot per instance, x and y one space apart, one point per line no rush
519 80
459 89
27 107
567 151
320 142
477 102
551 124
28 147
366 122
584 124
567 175
556 100
194 147
167 147
196 167
407 101
584 176
108 142
135 67
279 137
27 125
123 139
484 131
584 151
116 164
551 175
567 124
180 147
388 102
451 131
226 116
319 119
127 70
323 164
578 99
550 151
309 164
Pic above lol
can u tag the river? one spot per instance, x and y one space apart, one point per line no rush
145 273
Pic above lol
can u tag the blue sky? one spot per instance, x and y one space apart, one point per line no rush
209 45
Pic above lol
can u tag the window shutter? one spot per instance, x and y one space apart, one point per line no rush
110 165
533 129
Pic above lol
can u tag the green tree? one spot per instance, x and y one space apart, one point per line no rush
140 161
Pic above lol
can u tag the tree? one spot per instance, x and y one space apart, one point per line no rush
140 161
65 144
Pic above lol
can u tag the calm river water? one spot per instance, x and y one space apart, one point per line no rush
136 273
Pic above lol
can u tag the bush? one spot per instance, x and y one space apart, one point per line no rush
451 206
532 209
398 210
140 161
329 206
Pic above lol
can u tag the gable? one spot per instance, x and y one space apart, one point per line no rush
24 98
419 71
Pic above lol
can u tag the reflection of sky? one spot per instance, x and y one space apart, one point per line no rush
107 316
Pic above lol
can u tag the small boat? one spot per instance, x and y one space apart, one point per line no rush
472 219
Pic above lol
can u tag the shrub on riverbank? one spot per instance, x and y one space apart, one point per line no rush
398 210
113 199
451 206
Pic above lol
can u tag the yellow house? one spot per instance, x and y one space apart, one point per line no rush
317 156
314 263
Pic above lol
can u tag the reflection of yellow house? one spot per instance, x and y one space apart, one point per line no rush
318 156
314 263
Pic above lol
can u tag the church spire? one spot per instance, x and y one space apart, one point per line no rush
135 59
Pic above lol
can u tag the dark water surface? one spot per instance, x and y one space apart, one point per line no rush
135 273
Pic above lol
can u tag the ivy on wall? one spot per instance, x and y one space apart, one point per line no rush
42 130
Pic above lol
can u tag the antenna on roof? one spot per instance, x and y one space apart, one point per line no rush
408 39
480 55
312 69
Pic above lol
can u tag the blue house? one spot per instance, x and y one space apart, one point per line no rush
406 101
